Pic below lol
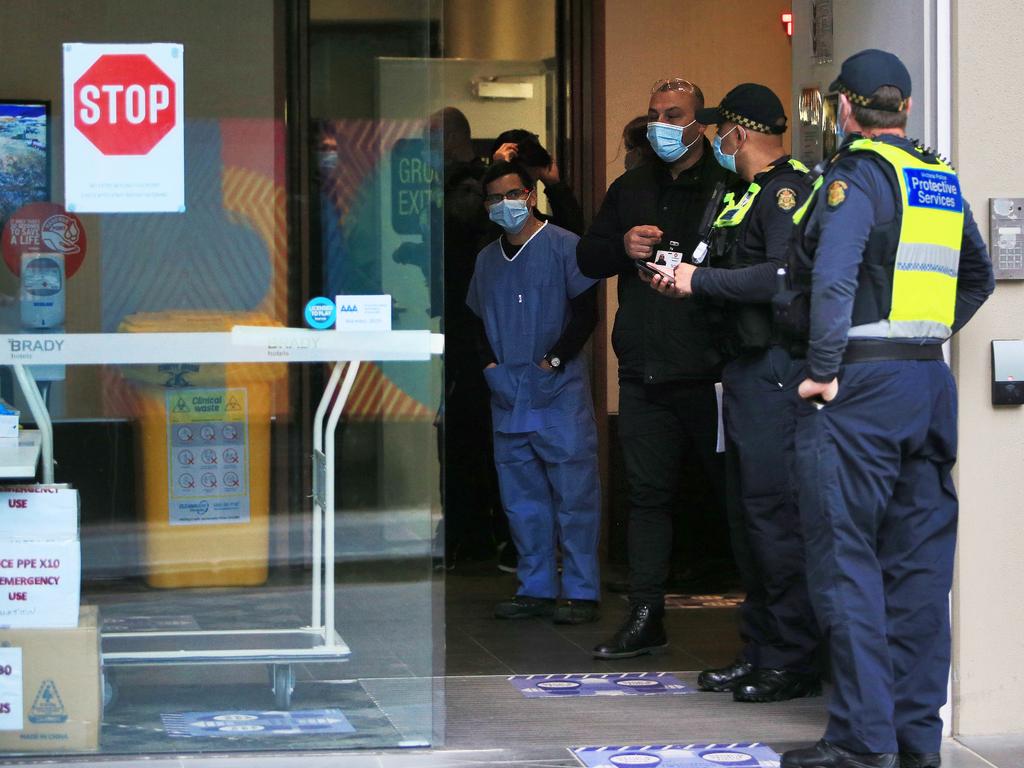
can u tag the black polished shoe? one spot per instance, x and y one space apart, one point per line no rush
824 754
577 612
725 678
642 633
524 607
776 685
920 760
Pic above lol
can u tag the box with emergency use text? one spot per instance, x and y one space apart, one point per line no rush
51 698
40 557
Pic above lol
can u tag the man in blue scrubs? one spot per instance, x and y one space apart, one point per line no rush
537 312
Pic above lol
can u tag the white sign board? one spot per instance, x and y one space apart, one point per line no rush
364 313
124 134
11 693
40 584
46 512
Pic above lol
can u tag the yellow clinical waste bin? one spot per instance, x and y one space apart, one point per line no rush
203 459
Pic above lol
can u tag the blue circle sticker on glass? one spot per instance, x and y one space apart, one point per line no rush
320 313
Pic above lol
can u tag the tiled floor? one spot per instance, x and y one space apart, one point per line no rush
479 644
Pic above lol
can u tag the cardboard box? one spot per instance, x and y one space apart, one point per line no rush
62 699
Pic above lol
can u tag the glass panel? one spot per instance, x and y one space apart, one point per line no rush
229 618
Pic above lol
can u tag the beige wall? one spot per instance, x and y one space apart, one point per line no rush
714 44
988 643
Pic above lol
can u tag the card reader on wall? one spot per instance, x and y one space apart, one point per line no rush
1008 372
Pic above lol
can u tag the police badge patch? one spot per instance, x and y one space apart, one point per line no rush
836 193
786 199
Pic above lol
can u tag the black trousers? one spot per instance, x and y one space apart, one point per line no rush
661 428
777 623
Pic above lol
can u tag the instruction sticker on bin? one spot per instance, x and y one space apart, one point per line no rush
207 438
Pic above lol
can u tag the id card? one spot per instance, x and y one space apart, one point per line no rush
670 259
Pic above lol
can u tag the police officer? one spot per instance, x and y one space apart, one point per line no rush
895 266
749 244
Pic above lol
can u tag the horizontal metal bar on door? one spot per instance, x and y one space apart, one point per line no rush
243 344
325 653
201 632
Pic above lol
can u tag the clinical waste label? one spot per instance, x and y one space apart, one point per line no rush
11 718
208 454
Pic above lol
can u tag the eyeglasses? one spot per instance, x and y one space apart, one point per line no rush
675 84
512 194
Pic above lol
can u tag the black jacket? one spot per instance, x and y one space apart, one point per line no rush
657 339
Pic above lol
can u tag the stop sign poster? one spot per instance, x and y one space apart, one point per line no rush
124 134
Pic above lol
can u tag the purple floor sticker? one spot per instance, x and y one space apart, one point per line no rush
738 755
624 684
254 723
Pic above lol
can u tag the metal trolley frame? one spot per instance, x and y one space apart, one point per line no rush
279 649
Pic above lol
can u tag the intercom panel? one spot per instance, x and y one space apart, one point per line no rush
1006 237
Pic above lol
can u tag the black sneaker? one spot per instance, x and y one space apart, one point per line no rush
524 607
577 612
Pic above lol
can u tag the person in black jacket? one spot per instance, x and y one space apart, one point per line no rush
749 244
668 364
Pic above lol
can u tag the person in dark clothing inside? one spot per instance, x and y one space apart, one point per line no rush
667 364
634 141
469 480
525 148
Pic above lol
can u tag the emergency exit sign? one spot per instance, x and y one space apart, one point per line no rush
412 178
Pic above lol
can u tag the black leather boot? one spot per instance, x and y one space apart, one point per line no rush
776 685
642 633
724 678
920 760
824 754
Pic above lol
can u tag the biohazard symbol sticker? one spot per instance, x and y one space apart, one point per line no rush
836 193
786 199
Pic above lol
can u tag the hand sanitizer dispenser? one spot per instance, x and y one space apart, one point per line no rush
42 291
1007 372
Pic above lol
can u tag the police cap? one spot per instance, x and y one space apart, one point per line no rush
753 106
864 73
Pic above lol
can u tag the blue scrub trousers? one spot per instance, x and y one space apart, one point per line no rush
879 513
550 488
760 401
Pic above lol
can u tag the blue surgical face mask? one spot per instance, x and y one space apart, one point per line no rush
726 161
667 140
511 215
841 128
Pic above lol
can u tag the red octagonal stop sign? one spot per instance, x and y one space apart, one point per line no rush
124 104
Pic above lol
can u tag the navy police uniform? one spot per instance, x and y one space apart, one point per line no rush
895 265
749 245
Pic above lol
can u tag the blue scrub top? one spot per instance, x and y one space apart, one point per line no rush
524 304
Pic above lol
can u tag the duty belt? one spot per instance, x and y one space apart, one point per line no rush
878 350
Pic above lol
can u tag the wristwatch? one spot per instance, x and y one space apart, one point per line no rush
553 361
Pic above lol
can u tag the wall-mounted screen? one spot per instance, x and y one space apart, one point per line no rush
24 154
